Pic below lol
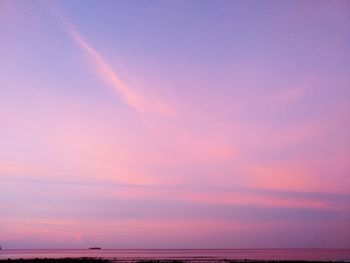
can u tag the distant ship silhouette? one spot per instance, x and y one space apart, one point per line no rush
94 248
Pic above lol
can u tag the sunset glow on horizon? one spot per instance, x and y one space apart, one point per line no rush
174 124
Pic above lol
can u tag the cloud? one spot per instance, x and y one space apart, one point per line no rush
134 99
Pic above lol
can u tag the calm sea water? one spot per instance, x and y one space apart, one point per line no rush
203 255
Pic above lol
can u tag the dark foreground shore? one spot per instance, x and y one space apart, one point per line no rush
98 260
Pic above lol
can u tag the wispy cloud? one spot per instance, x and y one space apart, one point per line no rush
134 99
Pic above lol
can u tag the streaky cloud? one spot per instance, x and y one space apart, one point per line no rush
139 102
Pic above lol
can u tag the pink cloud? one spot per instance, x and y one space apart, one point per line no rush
141 103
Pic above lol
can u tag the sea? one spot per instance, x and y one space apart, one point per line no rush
188 255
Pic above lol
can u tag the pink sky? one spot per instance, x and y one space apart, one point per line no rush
178 124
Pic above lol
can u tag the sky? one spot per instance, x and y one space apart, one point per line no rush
174 124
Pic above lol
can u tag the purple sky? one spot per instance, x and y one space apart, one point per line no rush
174 124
